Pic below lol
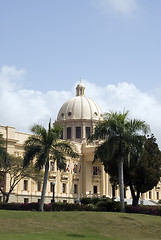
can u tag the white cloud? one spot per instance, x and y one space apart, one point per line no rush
141 105
125 7
11 78
21 108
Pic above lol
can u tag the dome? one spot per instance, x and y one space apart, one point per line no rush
80 108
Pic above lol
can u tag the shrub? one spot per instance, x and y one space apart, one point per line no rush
60 206
95 200
108 206
9 206
151 210
86 201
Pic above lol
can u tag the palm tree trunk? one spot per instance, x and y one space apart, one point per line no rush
41 207
121 183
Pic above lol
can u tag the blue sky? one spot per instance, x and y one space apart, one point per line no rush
46 46
57 42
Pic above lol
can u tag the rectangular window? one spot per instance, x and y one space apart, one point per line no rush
149 194
78 132
25 185
69 132
64 188
52 166
39 186
26 200
157 195
113 191
88 132
95 189
61 136
51 187
75 188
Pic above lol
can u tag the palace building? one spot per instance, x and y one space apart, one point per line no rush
79 116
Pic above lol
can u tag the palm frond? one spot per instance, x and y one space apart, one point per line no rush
31 150
66 148
41 159
60 159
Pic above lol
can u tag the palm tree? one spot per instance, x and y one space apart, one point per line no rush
41 145
120 136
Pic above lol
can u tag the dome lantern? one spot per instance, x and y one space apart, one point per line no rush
80 90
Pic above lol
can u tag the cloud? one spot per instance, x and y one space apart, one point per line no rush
21 108
11 78
125 7
125 96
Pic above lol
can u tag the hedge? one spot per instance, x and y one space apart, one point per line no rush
101 206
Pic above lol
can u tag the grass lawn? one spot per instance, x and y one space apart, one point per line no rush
17 225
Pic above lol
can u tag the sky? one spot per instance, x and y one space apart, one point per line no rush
46 46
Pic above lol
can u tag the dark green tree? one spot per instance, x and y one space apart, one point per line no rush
45 143
119 135
2 148
144 170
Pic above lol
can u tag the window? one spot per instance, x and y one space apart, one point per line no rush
78 132
64 188
25 185
69 132
39 186
51 187
88 132
26 200
95 189
52 166
96 170
157 195
75 188
113 191
61 136
150 195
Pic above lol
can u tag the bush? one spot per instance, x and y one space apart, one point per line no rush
95 200
9 206
20 206
60 206
108 206
86 201
151 210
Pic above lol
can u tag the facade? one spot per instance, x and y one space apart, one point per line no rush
79 116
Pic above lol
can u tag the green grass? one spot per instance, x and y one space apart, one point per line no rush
17 225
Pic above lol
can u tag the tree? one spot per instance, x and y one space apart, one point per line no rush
45 143
2 148
144 171
12 167
119 135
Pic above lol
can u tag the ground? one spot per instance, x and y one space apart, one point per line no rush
18 225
